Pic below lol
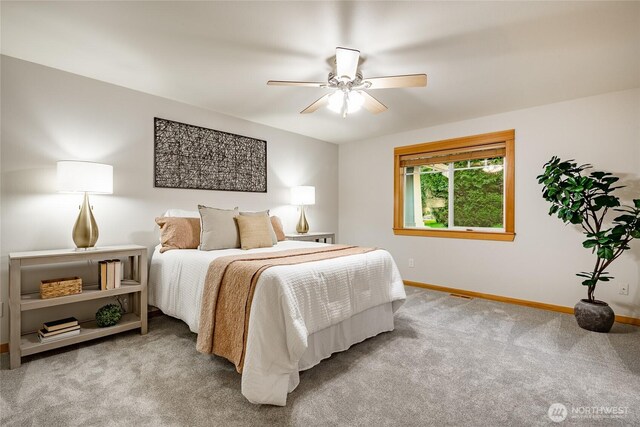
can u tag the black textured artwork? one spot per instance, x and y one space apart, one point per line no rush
194 157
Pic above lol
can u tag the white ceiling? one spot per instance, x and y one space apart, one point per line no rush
481 57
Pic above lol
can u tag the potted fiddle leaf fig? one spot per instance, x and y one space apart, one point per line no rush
584 198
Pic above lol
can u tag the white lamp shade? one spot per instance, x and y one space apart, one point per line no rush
303 195
80 177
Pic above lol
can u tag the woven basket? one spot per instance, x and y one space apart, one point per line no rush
60 287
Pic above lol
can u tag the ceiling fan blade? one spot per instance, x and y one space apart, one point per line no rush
289 83
347 62
321 102
410 80
373 105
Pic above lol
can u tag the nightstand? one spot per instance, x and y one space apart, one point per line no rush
23 343
315 236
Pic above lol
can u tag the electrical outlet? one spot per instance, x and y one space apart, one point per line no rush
624 289
411 263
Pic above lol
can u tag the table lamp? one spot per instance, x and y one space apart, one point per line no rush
303 195
85 177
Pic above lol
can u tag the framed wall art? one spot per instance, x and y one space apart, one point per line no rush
194 157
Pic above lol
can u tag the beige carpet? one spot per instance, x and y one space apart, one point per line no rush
450 361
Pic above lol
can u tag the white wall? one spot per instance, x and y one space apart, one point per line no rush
50 115
541 263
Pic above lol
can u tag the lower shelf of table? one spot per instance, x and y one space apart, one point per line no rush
30 344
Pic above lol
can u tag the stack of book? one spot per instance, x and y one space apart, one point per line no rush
110 274
58 329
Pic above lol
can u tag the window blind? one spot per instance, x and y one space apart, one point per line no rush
486 151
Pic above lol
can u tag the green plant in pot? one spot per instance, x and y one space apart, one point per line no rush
580 197
109 314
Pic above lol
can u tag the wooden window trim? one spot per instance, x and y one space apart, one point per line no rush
471 143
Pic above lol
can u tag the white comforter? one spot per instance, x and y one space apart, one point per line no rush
290 303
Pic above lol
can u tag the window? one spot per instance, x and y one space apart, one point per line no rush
460 188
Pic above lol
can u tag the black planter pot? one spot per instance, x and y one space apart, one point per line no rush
594 316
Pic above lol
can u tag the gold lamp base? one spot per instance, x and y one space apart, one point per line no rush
303 225
85 230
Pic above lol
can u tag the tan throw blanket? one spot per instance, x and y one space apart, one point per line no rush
228 293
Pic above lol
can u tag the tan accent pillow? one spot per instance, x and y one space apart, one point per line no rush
218 228
274 238
277 228
254 231
178 233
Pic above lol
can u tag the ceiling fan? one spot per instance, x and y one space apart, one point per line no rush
349 86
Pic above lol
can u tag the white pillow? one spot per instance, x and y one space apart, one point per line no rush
182 213
218 228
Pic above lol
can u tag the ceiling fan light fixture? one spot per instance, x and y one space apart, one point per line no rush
335 101
354 100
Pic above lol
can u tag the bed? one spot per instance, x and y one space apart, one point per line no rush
300 314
